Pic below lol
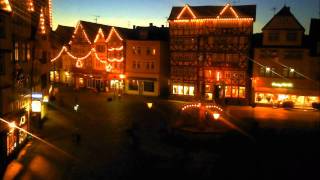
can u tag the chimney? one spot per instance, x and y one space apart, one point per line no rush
134 26
162 26
151 24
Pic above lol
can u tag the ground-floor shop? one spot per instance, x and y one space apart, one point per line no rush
142 86
274 98
211 91
13 138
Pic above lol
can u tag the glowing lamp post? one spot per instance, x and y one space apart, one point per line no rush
216 116
149 105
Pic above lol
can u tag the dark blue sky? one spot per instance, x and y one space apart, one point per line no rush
127 13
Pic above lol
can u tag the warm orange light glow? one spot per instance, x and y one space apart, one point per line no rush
36 106
108 68
79 63
149 105
83 31
186 7
100 34
42 25
30 5
216 116
217 20
122 76
225 8
113 31
50 13
5 5
218 76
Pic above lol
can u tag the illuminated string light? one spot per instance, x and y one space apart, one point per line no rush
225 8
42 23
116 49
63 49
30 6
220 20
108 68
113 30
50 13
5 5
115 59
79 63
83 31
186 7
100 33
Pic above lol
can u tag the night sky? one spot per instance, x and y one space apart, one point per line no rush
126 13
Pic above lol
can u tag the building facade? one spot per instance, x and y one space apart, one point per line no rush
147 60
209 49
93 58
283 68
20 22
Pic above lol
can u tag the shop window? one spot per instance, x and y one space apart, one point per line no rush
227 91
133 85
148 86
183 90
242 92
234 92
51 76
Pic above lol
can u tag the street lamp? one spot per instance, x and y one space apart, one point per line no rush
149 104
216 116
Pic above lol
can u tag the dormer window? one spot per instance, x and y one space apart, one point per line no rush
292 36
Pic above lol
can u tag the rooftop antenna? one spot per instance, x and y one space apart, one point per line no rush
96 18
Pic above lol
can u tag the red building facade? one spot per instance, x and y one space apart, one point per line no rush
209 46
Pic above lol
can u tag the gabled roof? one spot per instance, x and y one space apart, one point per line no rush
92 30
202 12
284 12
62 35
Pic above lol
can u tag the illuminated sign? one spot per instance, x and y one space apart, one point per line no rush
36 106
36 95
282 84
22 120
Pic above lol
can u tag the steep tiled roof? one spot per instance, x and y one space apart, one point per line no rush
284 12
244 11
62 35
92 30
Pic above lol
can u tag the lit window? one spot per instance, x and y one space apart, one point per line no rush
227 91
242 92
234 92
28 52
16 51
153 51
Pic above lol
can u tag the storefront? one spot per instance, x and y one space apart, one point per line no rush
140 86
183 89
278 92
274 98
